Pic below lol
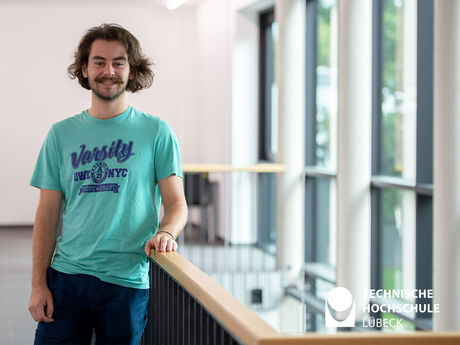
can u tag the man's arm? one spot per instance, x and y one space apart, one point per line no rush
43 244
175 215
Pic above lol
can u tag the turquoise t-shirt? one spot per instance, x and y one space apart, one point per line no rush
108 172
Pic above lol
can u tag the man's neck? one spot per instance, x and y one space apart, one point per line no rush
104 110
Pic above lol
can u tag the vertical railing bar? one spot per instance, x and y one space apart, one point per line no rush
176 306
177 312
161 315
164 311
156 313
160 287
183 316
214 332
180 315
198 323
168 312
189 309
165 307
208 329
155 306
193 326
159 305
171 307
200 333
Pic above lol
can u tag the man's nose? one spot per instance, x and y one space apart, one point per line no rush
109 70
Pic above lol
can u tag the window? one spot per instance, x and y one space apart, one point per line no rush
402 148
268 130
321 157
321 133
268 115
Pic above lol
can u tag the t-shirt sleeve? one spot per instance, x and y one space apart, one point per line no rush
46 173
167 155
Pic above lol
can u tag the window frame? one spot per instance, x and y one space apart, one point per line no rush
266 189
266 19
423 184
312 171
314 271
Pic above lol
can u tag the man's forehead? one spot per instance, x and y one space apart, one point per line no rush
107 49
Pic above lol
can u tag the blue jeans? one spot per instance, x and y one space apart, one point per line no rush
83 303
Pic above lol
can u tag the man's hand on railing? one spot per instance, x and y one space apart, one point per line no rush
163 241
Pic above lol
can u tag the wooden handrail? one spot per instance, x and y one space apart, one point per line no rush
371 338
241 321
248 327
256 168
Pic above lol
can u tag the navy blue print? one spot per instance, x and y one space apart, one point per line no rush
119 150
100 171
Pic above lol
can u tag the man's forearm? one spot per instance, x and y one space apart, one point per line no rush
44 242
174 219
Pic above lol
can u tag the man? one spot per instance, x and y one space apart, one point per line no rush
111 165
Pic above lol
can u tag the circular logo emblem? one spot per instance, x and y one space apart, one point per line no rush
99 172
340 303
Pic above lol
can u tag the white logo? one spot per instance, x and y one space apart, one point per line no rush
339 310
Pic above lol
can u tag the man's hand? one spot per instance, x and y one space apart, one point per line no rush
161 242
41 304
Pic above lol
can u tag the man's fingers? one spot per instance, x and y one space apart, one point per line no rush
160 243
163 244
38 313
46 319
49 307
148 248
41 306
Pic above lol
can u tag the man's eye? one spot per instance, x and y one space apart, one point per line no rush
119 64
99 63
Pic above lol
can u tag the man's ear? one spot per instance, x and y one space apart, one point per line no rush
84 70
131 74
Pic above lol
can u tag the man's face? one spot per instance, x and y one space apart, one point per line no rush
108 69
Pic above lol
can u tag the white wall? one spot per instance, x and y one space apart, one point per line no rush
38 42
196 50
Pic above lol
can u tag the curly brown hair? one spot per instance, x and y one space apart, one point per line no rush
140 65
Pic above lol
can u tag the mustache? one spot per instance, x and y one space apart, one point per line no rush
112 79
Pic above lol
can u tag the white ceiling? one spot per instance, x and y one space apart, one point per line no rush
94 2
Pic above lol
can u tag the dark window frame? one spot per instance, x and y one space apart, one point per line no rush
312 171
313 174
266 188
422 187
266 61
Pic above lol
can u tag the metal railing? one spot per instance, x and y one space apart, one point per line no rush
188 307
176 317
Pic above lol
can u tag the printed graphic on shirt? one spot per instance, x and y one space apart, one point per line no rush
100 171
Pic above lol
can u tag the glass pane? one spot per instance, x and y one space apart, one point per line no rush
266 212
274 94
399 89
268 117
317 291
397 239
405 326
326 79
325 236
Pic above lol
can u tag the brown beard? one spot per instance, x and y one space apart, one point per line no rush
116 80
